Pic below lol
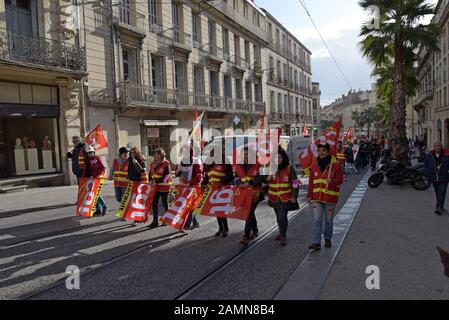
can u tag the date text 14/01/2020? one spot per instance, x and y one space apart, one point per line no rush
226 310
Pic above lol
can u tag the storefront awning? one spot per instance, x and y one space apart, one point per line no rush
26 111
160 123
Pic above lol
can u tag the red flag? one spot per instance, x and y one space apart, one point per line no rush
96 139
227 202
136 202
329 136
306 131
185 201
88 194
349 135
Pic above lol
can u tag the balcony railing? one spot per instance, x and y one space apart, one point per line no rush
41 51
425 94
139 95
126 18
181 38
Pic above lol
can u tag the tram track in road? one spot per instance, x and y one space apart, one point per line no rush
100 266
208 275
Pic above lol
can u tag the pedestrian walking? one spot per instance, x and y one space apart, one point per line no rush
78 156
341 156
349 155
374 154
283 193
217 175
137 171
160 178
436 168
190 170
247 175
323 192
119 174
95 168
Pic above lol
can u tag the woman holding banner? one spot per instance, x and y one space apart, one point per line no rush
95 168
160 178
137 170
247 175
283 193
190 170
216 176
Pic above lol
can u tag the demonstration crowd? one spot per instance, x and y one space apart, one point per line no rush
326 176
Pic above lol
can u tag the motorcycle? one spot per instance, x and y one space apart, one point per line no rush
399 174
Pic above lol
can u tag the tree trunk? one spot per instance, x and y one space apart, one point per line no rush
398 132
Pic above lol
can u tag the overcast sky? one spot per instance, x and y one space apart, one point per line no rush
339 22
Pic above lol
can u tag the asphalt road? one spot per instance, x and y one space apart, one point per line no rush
160 270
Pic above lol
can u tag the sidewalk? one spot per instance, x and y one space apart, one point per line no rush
396 230
45 197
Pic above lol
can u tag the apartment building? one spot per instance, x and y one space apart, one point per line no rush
42 67
162 60
289 85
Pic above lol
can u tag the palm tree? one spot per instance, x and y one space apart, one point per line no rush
396 40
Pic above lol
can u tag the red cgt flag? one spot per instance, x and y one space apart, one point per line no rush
330 136
96 139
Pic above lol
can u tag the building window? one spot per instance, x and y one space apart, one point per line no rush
214 85
279 102
212 34
225 33
129 64
152 11
21 16
196 27
272 101
157 71
249 91
238 89
227 86
181 76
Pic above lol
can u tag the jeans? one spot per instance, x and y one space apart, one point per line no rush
119 192
163 196
191 218
281 215
251 223
440 189
319 210
101 204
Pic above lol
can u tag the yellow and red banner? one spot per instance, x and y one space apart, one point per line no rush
88 194
136 202
185 201
226 202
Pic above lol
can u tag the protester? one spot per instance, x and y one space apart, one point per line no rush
137 171
283 193
323 191
218 175
436 167
247 175
190 170
78 156
95 168
119 173
349 155
160 178
341 156
374 153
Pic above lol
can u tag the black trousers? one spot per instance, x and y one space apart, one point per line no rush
373 161
223 224
281 215
163 196
251 223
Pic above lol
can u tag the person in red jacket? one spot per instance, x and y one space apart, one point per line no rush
190 171
324 191
160 178
95 168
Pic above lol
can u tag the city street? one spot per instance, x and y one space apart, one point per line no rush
118 261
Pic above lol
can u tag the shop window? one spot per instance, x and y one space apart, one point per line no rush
31 146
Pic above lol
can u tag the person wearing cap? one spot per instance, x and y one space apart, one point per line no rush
119 173
247 175
323 192
78 156
95 169
160 178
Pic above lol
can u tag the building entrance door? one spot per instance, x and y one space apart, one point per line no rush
4 170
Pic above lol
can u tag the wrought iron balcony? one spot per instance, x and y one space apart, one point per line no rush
129 20
425 95
147 97
41 51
